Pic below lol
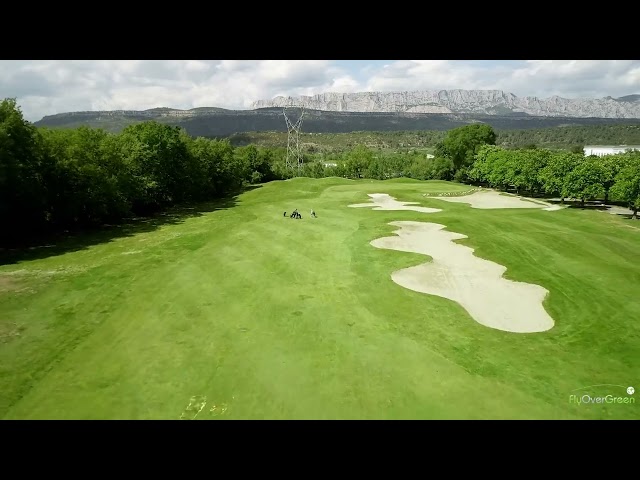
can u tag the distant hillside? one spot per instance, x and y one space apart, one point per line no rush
426 140
482 102
217 122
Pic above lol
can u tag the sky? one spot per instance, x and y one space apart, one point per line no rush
47 87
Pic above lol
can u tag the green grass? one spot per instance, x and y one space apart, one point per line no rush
269 317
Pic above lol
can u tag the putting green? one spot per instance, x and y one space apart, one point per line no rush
233 311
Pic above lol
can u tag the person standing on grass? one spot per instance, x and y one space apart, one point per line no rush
313 214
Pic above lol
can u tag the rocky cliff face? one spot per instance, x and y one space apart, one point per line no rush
487 102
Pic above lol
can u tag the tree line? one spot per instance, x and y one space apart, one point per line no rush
454 155
61 179
53 180
561 173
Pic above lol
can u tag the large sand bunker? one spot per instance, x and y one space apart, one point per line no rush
488 199
476 284
382 201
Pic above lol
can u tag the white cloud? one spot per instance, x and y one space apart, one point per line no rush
423 75
541 78
46 87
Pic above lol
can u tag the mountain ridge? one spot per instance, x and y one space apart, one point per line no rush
485 102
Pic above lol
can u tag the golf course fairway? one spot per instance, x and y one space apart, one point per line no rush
230 310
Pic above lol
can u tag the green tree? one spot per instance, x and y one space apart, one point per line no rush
442 169
627 185
357 161
585 181
221 171
484 163
83 183
373 169
525 166
392 165
318 170
22 190
500 171
612 164
463 143
98 183
553 175
159 161
420 169
248 158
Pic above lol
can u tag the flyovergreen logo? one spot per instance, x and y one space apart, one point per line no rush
609 395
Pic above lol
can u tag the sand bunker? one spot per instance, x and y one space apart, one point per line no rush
616 210
491 199
476 284
382 201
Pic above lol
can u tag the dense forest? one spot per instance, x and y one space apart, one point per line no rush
61 179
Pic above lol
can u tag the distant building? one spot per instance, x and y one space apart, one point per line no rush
601 150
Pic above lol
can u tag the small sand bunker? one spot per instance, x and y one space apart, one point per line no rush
476 284
616 210
382 201
488 199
